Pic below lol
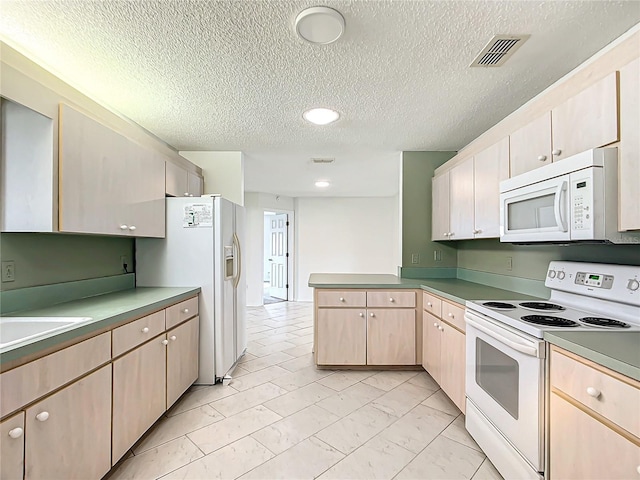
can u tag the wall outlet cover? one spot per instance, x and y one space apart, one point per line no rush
415 258
8 271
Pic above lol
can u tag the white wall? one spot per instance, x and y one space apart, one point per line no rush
345 235
255 206
223 173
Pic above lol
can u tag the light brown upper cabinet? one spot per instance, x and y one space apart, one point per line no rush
530 146
440 207
629 156
108 184
195 184
461 201
587 120
491 166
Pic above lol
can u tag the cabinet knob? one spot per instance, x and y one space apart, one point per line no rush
145 330
593 392
435 325
173 338
638 469
391 299
372 315
542 158
132 228
15 432
429 304
477 231
186 194
450 234
42 416
123 227
440 328
361 314
341 299
165 342
557 151
186 310
445 234
450 314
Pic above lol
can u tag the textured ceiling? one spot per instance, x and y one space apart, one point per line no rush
232 75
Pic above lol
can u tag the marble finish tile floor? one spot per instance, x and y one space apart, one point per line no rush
281 418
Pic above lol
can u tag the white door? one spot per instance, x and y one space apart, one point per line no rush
278 255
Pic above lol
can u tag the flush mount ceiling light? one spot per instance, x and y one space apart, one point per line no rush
321 116
322 184
321 25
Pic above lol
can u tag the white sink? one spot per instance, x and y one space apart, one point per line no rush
18 329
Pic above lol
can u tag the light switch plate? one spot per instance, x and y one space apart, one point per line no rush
8 271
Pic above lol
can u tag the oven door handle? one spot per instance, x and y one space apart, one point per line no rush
557 206
520 347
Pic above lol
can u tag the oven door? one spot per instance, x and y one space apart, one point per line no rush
505 381
536 213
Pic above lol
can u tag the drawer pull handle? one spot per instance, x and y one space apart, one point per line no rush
186 310
429 304
173 338
341 299
15 432
593 392
165 342
42 416
145 330
361 314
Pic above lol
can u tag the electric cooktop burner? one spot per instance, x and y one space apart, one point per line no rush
544 306
549 321
604 322
499 305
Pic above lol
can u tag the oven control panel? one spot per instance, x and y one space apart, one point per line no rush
597 280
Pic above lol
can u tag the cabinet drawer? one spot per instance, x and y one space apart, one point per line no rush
610 397
392 298
27 383
139 331
432 304
454 314
179 312
341 298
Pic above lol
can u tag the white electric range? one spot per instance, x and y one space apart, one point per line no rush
505 371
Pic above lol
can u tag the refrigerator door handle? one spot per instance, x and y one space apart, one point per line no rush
238 257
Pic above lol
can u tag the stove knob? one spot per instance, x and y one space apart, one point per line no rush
552 274
560 275
633 285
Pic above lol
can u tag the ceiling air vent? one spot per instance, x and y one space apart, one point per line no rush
323 160
498 50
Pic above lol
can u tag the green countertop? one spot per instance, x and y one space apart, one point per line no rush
619 351
104 310
453 289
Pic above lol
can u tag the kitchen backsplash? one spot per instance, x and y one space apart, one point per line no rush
44 258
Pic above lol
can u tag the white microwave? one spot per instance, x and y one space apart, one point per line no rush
572 200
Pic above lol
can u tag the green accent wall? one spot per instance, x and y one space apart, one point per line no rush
531 261
417 172
47 258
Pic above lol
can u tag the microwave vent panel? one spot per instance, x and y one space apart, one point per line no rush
498 50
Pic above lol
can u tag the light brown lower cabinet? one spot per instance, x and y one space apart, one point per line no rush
12 447
182 359
431 341
342 336
391 336
139 393
68 433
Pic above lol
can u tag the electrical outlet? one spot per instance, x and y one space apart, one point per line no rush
124 262
437 255
8 271
415 258
509 263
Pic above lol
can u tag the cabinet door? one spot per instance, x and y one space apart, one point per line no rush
586 120
12 447
530 146
629 166
431 340
146 200
139 393
452 365
491 166
195 184
461 221
440 207
391 337
582 448
93 195
69 433
342 336
182 359
176 180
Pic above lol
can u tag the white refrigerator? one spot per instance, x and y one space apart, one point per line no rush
203 248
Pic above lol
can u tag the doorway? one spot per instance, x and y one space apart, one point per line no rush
276 257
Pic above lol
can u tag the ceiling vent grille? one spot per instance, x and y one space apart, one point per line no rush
498 50
323 160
